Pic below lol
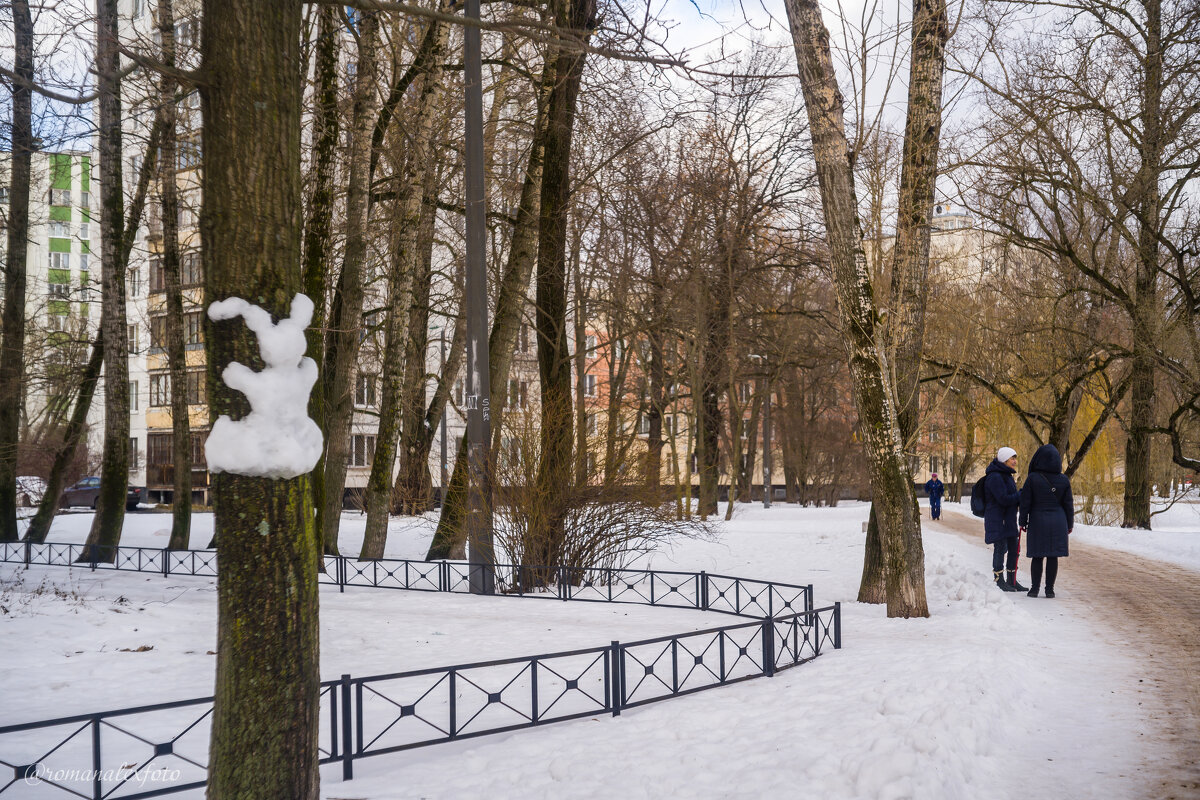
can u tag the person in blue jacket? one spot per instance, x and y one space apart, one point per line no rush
935 489
1046 515
1000 518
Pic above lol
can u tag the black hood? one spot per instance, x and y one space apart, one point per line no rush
998 466
1046 459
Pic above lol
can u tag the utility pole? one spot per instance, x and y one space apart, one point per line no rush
482 574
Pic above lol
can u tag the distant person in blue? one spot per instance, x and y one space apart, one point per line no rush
935 489
1047 515
1000 518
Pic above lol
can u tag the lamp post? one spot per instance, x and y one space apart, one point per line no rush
482 557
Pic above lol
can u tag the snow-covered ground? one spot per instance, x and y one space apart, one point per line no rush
993 696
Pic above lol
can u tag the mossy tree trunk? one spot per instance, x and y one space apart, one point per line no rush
265 716
894 497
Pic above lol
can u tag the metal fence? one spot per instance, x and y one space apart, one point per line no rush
158 749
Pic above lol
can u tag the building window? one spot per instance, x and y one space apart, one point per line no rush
523 339
185 217
133 395
185 34
589 344
85 288
644 424
135 282
158 278
188 155
59 229
139 9
84 231
159 450
593 426
190 271
589 385
133 454
60 261
60 197
3 195
160 390
60 290
158 333
459 393
193 328
744 392
195 387
362 449
58 322
364 391
84 261
85 200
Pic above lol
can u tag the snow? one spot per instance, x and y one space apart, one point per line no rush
994 696
277 439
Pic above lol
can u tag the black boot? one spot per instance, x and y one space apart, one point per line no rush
1033 591
1049 590
1001 582
1012 581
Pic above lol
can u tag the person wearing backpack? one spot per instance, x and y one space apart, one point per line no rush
1046 515
1001 499
935 489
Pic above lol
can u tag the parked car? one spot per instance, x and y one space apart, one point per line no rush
86 492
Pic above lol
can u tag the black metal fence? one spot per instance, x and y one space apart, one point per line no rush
158 749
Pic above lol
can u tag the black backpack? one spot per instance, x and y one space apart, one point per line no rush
978 498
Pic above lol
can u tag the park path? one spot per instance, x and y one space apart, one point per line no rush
1152 608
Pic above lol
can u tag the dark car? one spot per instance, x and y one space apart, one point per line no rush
87 491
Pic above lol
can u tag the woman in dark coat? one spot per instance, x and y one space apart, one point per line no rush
1047 514
1000 518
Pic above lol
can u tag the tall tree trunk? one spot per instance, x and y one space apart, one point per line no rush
265 713
318 223
56 481
449 540
105 533
412 491
411 201
910 255
554 360
894 496
712 342
181 496
1145 313
12 345
346 314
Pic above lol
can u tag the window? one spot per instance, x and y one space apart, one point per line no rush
138 11
618 349
524 395
159 449
513 396
133 452
158 332
459 393
85 288
593 426
84 231
60 230
199 461
3 195
135 283
364 391
195 387
190 271
83 261
193 328
60 290
362 449
188 155
589 385
523 339
158 279
160 390
85 200
185 34
133 395
60 197
744 392
589 344
60 261
644 424
57 322
185 216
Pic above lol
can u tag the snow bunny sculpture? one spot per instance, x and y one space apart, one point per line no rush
276 439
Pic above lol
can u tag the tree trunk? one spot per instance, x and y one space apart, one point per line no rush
554 363
910 255
12 345
181 496
105 533
346 314
449 541
894 497
265 712
319 222
55 482
400 297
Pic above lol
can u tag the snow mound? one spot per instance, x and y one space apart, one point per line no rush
277 439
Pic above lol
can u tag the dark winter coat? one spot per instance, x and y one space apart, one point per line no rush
934 489
1001 495
1047 508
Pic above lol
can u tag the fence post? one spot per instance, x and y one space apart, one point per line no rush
808 598
97 791
93 552
28 552
347 748
615 684
837 626
703 598
563 591
768 644
166 561
453 687
341 573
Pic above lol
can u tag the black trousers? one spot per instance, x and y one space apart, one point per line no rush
1006 550
1035 570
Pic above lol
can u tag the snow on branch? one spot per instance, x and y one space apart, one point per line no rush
277 439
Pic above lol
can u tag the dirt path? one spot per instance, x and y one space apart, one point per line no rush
1152 608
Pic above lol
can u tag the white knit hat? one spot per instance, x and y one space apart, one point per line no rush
1004 454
